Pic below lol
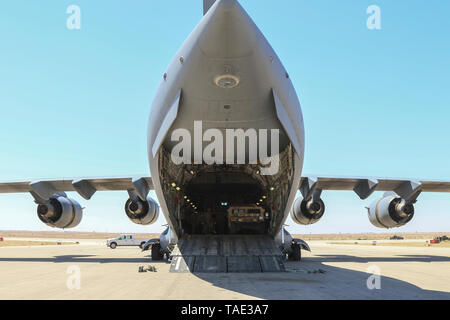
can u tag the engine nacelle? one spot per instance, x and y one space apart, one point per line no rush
307 212
142 212
60 212
390 212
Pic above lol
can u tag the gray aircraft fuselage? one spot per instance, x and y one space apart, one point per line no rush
226 75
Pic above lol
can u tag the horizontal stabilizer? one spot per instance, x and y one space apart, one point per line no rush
207 4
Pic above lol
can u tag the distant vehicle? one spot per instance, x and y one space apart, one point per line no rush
125 240
397 238
441 239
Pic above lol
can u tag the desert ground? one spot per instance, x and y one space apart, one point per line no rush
69 235
90 270
99 235
12 242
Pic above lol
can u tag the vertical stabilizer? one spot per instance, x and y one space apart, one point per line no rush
207 4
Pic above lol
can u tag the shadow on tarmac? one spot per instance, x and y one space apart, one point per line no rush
302 281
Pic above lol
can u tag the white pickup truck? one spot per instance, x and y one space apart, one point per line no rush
125 240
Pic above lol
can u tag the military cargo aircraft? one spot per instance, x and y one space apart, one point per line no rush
226 204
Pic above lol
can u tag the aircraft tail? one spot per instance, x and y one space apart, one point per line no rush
207 4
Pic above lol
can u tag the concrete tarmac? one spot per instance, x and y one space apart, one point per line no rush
90 270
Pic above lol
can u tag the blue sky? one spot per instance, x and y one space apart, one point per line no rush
75 103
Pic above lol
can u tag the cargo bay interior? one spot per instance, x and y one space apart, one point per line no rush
225 199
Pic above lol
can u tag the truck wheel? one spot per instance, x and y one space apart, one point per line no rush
142 245
113 245
156 252
296 254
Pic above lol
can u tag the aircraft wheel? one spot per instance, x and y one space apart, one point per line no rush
156 252
296 254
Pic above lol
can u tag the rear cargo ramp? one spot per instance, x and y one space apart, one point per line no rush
226 254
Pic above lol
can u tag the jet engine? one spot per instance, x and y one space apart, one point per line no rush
142 212
60 212
307 212
390 212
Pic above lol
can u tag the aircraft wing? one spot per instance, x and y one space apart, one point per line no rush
364 187
86 188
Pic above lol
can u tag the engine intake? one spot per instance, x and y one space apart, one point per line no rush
390 212
142 212
60 212
307 212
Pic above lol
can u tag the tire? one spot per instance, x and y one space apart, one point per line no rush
156 252
113 245
296 253
142 245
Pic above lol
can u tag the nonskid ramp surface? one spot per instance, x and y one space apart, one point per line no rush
226 245
226 253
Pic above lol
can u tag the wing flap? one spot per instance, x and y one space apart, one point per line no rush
67 185
14 187
435 186
384 184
